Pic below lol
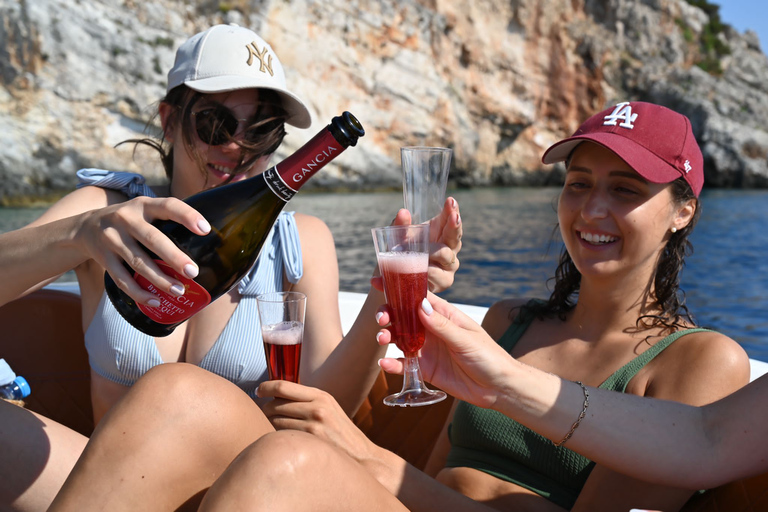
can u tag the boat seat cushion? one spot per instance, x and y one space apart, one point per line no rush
43 342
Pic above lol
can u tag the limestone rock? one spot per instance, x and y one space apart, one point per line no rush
496 80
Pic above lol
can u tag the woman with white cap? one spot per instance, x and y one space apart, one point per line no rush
616 320
222 119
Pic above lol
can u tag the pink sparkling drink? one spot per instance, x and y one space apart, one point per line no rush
282 348
405 286
403 255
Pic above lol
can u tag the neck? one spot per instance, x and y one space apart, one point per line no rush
607 307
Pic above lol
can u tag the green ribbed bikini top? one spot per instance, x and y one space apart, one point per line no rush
488 441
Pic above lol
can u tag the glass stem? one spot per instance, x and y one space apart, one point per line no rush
412 380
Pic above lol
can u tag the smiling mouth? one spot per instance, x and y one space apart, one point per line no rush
221 169
597 239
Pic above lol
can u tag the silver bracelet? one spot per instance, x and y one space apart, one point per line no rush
581 416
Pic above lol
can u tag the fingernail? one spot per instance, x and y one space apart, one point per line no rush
177 289
191 270
426 306
458 220
378 316
453 203
153 303
378 335
379 362
203 226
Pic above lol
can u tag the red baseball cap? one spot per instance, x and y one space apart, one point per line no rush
655 141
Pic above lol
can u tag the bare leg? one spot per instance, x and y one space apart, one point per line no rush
164 443
291 471
37 455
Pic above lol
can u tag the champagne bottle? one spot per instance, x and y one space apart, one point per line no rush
241 216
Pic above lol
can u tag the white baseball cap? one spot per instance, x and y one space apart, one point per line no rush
229 57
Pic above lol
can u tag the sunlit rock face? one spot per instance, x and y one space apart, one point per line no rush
496 80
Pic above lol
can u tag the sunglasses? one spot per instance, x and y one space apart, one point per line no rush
218 125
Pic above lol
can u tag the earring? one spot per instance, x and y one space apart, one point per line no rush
673 230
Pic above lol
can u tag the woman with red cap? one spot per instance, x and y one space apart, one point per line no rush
616 320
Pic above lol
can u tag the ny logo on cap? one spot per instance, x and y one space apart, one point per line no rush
621 111
253 51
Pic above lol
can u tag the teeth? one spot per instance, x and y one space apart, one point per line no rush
221 168
597 239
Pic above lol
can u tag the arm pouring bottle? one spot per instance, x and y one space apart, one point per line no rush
241 215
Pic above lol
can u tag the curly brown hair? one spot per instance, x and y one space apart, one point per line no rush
271 125
667 297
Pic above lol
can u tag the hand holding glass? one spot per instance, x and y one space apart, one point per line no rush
403 256
282 329
425 176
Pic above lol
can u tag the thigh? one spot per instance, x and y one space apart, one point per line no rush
43 453
294 471
164 443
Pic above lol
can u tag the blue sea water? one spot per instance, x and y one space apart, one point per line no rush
726 280
510 250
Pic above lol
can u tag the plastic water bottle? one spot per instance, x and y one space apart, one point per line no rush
12 387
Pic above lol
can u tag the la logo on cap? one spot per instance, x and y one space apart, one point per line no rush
253 51
622 111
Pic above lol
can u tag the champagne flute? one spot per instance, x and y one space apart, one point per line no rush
282 330
425 177
403 256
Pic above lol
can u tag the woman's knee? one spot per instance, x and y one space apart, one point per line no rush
181 381
180 395
185 385
287 453
292 470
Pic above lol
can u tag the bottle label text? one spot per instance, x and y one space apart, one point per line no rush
277 185
173 309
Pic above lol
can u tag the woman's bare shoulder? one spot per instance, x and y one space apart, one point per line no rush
699 368
313 231
501 314
310 223
318 253
710 348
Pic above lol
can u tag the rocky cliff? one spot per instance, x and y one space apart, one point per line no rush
496 80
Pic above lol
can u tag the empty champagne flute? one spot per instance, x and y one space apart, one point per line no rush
403 256
282 329
425 177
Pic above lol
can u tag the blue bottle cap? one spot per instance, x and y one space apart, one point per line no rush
23 386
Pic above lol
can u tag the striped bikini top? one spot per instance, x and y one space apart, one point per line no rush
120 353
490 442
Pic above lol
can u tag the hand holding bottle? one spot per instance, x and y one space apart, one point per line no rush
120 233
242 215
